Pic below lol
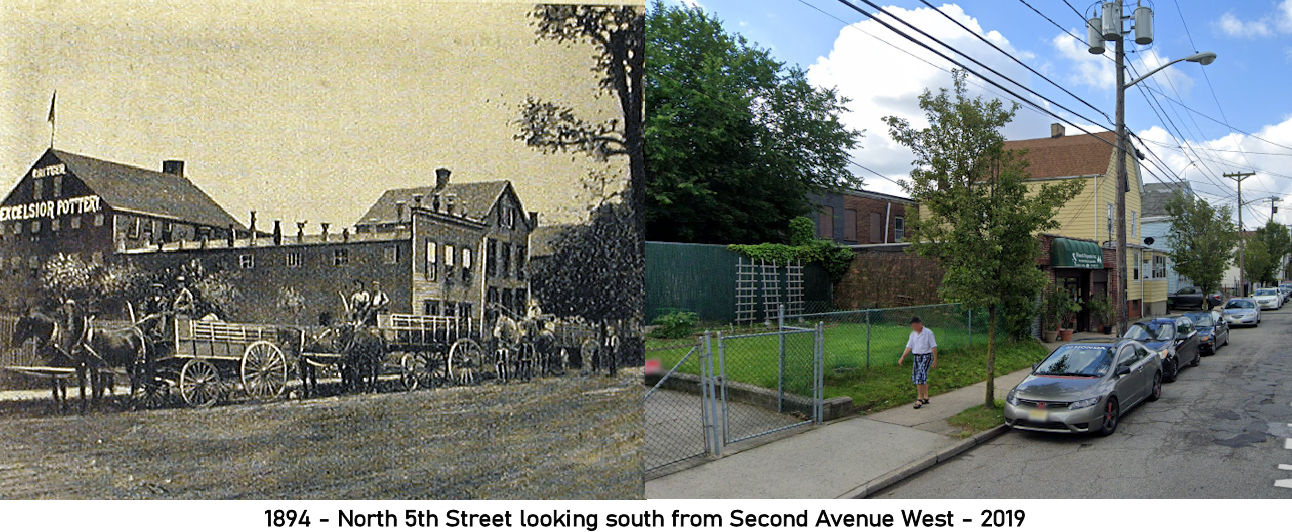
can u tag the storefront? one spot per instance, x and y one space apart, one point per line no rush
1079 266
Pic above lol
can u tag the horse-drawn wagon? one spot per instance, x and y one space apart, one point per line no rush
206 360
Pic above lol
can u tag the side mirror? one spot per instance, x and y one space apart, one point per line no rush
1036 365
1123 370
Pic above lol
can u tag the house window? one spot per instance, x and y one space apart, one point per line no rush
35 227
522 255
340 257
98 220
1136 268
466 265
899 229
876 227
294 260
491 258
431 259
37 189
58 186
850 225
391 254
506 259
1110 221
431 307
449 254
75 222
825 222
133 224
246 261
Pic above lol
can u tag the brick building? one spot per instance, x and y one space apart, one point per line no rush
852 217
78 205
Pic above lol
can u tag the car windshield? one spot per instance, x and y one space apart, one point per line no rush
1240 303
1149 332
1077 360
1201 320
1267 292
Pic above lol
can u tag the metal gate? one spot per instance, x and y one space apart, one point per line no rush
732 388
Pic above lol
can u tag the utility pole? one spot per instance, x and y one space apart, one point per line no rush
1238 177
1109 25
1274 209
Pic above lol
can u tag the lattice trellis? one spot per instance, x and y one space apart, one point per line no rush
771 289
794 288
746 290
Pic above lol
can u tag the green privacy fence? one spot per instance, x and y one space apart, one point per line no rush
701 278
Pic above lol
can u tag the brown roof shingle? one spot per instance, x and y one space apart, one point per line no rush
1067 156
474 200
146 191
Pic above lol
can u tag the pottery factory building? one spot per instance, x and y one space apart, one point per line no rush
443 249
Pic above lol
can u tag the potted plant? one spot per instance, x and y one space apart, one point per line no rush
1052 306
1070 307
1102 311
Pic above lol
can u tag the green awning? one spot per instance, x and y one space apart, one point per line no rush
1068 253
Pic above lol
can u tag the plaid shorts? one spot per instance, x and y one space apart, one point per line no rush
920 373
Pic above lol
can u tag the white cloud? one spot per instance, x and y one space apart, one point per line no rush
1233 152
881 81
1098 71
1280 21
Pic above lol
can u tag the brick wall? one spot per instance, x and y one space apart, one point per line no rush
889 278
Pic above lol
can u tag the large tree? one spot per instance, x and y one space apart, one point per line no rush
1257 261
735 139
977 216
1202 240
1278 243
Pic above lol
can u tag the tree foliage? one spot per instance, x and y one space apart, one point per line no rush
1278 243
735 139
977 216
1257 261
805 249
1202 240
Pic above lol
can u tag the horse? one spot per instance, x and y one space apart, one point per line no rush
361 352
101 348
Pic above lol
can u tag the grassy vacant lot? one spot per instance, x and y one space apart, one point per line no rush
754 360
559 438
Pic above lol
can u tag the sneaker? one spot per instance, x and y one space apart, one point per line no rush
919 404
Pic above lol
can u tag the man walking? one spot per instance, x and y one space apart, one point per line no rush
925 348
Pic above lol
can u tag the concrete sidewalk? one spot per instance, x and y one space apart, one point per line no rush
845 458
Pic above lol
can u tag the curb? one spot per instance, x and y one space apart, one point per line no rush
927 462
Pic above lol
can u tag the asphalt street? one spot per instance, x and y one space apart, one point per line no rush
1221 431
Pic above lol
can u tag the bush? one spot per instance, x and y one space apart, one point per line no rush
803 247
675 324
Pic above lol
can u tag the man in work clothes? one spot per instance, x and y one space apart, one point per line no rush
925 347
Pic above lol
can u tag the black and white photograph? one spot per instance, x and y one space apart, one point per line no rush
321 250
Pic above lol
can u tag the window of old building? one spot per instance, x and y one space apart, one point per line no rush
246 261
850 225
432 259
37 189
876 227
431 307
825 222
899 229
491 258
294 259
391 254
98 220
74 222
55 224
340 257
450 254
506 259
522 256
58 186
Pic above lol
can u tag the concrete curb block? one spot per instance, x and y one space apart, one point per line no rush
920 465
831 409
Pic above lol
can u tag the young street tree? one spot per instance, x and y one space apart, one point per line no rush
1202 240
735 140
977 216
1278 243
1257 261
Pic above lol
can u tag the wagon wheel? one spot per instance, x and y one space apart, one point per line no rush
589 353
150 395
199 383
415 371
264 370
465 359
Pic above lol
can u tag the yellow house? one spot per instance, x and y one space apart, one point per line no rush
1086 223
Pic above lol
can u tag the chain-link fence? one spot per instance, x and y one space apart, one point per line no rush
729 388
862 338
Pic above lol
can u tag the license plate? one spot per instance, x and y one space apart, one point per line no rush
1038 415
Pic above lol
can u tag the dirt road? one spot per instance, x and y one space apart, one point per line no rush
570 437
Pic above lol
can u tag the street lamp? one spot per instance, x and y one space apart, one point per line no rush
1109 27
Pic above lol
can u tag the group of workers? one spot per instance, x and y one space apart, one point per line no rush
363 306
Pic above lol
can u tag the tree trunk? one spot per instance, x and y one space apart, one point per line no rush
990 399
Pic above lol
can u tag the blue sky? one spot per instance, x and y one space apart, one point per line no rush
1253 39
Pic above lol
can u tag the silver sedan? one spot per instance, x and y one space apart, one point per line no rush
1085 386
1242 311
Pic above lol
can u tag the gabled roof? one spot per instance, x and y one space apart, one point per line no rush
474 200
1067 156
542 242
1155 196
146 191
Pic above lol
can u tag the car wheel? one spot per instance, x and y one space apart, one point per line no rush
1112 414
1171 368
1157 387
1196 360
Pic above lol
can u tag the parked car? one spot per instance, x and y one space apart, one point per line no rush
1285 291
1085 386
1213 331
1187 297
1268 298
1172 339
1242 311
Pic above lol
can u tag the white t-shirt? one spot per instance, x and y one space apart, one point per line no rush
921 343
